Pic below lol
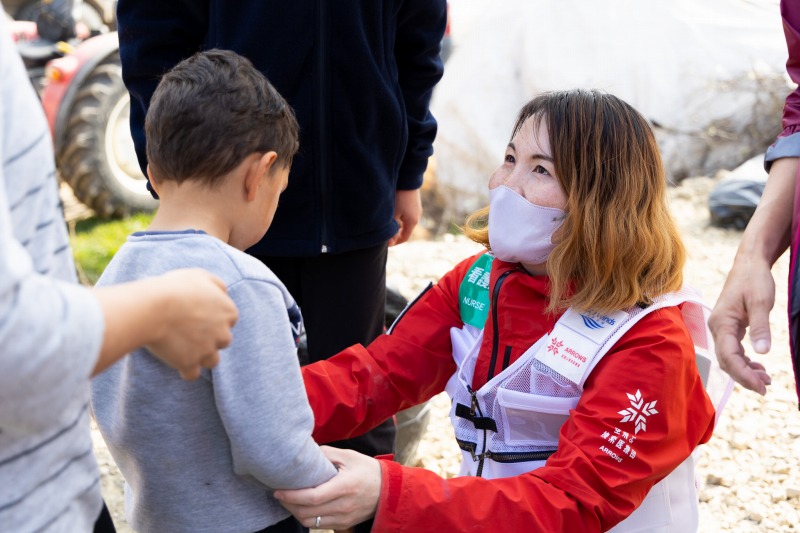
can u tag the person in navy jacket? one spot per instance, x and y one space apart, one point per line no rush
359 75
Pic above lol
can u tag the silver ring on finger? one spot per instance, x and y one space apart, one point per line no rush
317 522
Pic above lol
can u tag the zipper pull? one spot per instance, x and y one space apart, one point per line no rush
473 406
471 400
485 455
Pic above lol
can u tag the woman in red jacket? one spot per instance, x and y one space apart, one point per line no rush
568 351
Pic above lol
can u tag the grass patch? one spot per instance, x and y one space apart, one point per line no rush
95 241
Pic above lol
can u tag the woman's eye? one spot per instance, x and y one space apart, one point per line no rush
509 158
539 169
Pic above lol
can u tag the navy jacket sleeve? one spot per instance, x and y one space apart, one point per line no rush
421 25
154 36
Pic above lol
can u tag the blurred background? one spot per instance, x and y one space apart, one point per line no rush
708 74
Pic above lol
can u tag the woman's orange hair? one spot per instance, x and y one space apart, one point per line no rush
619 245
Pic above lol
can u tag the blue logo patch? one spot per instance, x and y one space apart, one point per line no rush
591 323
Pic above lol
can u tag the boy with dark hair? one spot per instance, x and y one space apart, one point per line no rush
206 456
359 74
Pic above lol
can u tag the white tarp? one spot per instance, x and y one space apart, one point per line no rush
709 74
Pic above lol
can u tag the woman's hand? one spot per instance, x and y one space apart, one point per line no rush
350 498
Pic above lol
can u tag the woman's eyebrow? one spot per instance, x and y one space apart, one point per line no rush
534 156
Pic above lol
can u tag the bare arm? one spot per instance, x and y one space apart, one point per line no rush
183 317
749 292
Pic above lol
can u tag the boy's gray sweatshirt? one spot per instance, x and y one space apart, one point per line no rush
205 455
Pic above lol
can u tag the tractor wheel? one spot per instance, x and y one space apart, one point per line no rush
97 157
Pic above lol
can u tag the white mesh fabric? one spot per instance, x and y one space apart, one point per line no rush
532 377
525 375
529 375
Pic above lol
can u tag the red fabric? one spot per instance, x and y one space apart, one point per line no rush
580 488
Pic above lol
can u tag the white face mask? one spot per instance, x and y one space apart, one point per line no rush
519 231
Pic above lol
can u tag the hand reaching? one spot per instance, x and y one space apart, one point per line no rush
746 300
198 321
749 292
350 498
183 317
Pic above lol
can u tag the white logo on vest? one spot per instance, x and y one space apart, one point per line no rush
638 411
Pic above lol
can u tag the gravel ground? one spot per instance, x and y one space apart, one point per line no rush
748 474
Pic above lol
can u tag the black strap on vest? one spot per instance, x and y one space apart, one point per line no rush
480 422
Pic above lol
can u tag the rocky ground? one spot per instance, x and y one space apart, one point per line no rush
748 474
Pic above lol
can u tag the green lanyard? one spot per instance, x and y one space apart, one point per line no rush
473 294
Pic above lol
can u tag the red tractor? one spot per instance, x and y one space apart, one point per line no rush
87 106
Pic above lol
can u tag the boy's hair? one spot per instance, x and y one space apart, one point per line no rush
619 245
209 113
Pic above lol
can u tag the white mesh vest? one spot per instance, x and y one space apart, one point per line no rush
511 424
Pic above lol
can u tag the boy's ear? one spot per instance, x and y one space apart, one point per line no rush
256 171
153 183
267 162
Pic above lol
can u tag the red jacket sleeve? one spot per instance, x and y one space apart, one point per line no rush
359 388
581 487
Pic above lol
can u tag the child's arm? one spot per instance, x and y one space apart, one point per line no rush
260 395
